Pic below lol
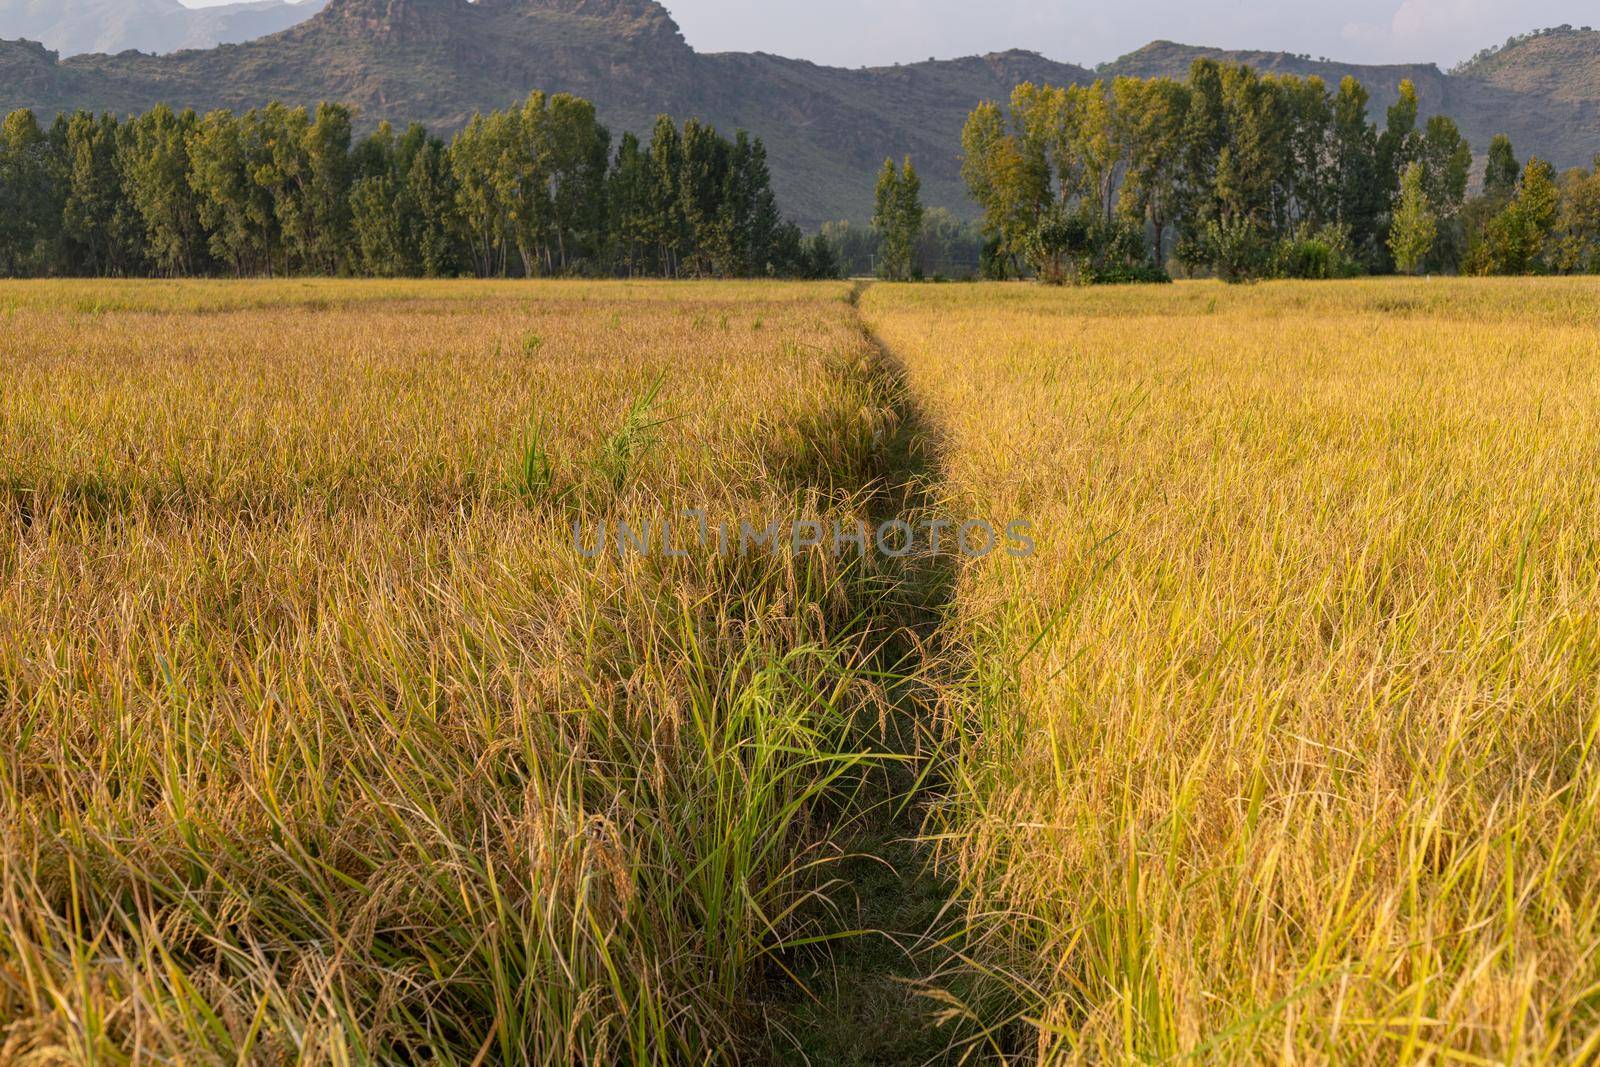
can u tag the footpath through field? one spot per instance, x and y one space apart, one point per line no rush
885 986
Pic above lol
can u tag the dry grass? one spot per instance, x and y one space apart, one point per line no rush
1283 747
322 743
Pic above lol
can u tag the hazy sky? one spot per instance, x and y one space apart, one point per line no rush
855 32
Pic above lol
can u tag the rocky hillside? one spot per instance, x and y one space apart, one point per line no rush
71 27
1561 64
827 129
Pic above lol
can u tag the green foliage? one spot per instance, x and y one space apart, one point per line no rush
1399 144
1447 165
1238 248
232 206
1007 173
1078 246
30 194
820 261
630 206
1446 159
622 451
1234 173
1575 245
1135 274
327 189
1358 193
948 246
1058 243
1152 114
534 476
156 168
1415 226
531 187
533 190
1316 254
1502 171
853 245
99 229
1244 176
1515 241
897 220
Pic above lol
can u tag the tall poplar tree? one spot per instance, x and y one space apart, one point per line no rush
898 220
1415 226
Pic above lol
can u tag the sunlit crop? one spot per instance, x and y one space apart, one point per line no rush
325 737
323 744
1283 748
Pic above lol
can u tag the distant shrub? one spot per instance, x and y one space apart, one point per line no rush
1321 254
1076 246
1140 274
1238 249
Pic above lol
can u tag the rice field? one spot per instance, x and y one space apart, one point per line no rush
331 732
324 743
1282 748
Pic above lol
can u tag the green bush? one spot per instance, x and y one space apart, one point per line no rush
1077 246
1239 250
1317 255
1141 274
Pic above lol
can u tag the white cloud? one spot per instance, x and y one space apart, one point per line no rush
1452 18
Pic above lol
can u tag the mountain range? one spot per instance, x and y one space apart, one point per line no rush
827 129
72 27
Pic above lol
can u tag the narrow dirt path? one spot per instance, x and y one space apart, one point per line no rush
869 993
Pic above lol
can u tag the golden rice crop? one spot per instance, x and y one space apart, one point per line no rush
1282 748
323 743
324 740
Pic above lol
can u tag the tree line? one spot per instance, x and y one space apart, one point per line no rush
1244 175
534 190
948 248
